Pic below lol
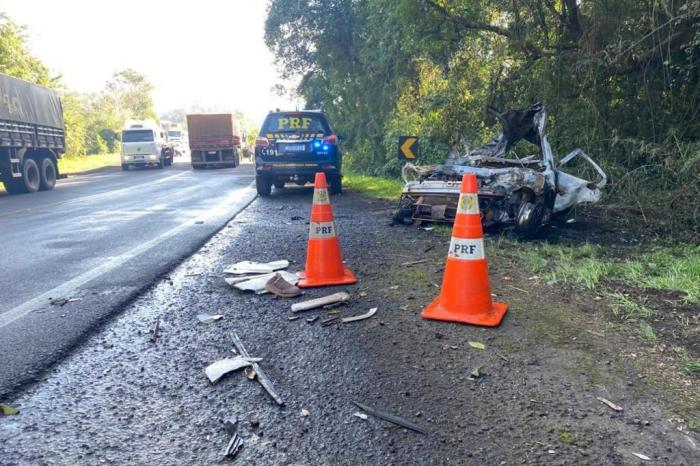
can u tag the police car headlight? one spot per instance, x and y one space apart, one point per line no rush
152 157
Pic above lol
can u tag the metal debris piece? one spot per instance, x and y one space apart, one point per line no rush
391 418
257 284
477 345
234 445
281 287
641 456
330 321
262 378
218 369
7 410
367 315
249 373
153 331
293 317
410 263
362 416
318 302
311 320
244 267
609 404
208 319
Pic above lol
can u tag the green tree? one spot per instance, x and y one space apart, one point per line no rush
130 93
15 59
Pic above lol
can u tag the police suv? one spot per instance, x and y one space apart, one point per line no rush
292 147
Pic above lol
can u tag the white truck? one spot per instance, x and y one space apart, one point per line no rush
145 143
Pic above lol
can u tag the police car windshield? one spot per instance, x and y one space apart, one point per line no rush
295 123
137 135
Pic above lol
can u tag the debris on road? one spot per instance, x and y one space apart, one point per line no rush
477 345
153 331
391 418
341 297
642 456
62 301
410 263
330 321
248 267
257 285
475 374
208 319
234 445
278 286
249 373
231 424
609 404
362 416
293 317
311 320
261 377
367 315
218 369
305 412
7 410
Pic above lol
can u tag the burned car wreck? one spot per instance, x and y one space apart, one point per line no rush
523 192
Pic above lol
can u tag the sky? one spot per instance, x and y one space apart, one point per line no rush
206 53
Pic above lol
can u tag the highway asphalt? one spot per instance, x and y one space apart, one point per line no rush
74 256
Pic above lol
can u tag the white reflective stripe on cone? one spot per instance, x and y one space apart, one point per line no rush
468 204
321 196
466 249
322 230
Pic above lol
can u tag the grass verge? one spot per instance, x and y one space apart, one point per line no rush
372 186
76 164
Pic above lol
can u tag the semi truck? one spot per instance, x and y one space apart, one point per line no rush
215 140
32 136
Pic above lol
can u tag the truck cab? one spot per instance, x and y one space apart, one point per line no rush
145 144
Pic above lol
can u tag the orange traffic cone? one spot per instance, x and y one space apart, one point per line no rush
324 264
465 295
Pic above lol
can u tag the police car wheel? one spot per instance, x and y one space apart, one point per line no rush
279 184
263 185
335 184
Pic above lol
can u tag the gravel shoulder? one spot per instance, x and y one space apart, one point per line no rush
122 399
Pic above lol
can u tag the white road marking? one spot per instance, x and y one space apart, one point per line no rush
244 195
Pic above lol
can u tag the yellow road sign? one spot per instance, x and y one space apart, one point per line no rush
408 147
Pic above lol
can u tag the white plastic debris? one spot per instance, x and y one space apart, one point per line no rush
208 319
256 267
257 284
305 412
362 416
218 369
642 456
367 315
340 297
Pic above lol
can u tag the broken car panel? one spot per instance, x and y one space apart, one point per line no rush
524 192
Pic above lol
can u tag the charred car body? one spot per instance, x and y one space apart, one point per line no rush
525 192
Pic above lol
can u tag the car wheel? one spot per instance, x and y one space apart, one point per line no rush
47 173
529 221
279 184
125 167
263 185
335 184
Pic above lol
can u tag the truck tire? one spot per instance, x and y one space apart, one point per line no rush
30 181
263 185
335 184
47 173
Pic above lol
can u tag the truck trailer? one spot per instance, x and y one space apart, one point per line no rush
32 136
215 140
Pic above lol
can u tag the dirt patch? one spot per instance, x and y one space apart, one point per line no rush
123 399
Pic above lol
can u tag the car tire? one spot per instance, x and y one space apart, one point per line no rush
48 173
278 184
125 166
335 184
263 185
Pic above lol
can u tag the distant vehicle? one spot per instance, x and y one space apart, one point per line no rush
293 147
32 136
215 140
144 143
